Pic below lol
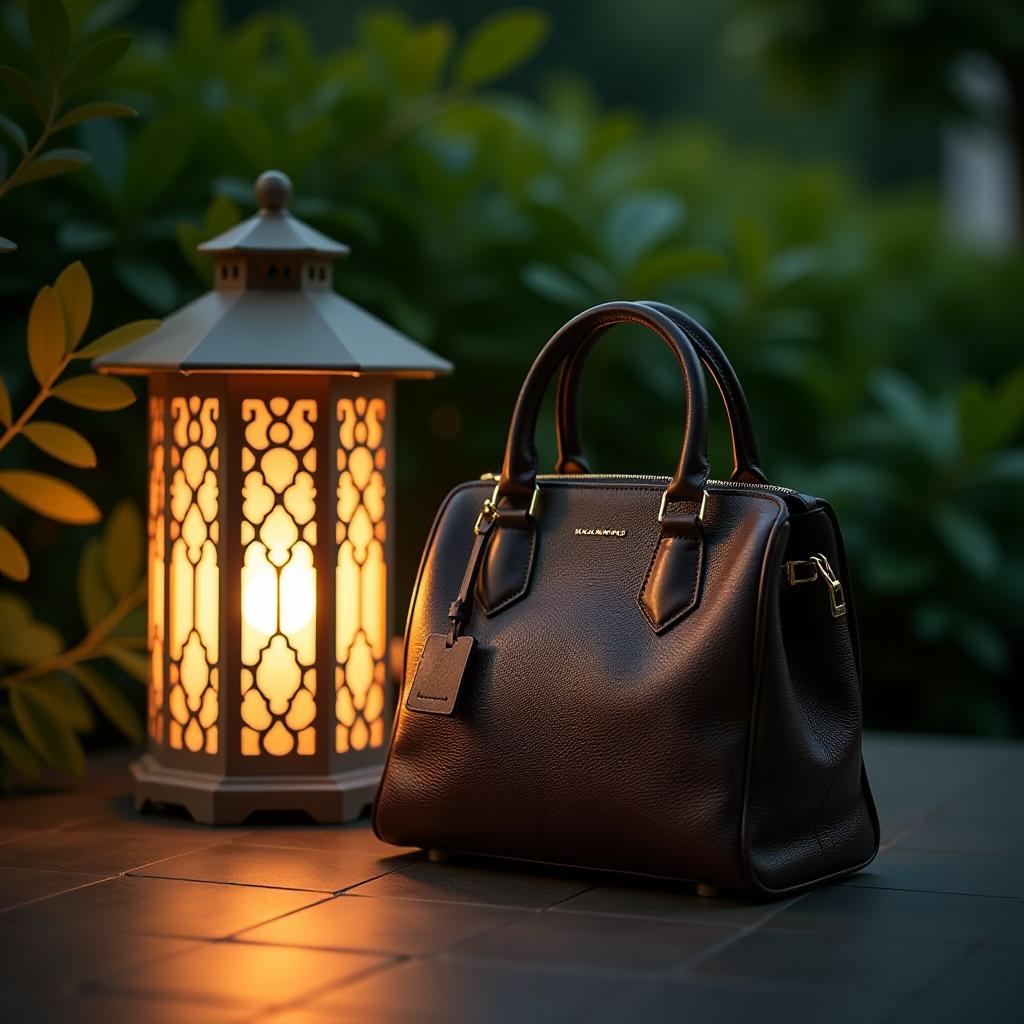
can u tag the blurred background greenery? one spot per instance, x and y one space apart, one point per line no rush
833 189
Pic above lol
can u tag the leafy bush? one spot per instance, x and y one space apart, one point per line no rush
880 358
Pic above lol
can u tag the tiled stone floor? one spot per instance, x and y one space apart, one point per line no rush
109 916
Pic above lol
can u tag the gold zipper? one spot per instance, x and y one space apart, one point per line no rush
775 488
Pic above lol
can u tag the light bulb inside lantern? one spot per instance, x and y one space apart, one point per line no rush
263 598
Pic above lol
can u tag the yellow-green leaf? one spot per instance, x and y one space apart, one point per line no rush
92 111
499 44
23 639
94 597
47 341
117 338
66 700
91 391
110 700
123 541
47 733
6 415
74 289
62 443
18 754
49 496
13 560
28 89
135 664
49 165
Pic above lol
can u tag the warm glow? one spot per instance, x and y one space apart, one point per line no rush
157 498
360 576
193 584
278 536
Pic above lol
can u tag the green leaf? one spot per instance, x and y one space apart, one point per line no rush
110 700
123 545
752 252
49 496
23 639
48 734
156 158
94 597
28 89
251 136
500 44
152 284
13 560
66 699
18 754
636 223
6 245
47 339
135 664
117 338
92 111
91 391
49 165
74 289
14 132
969 539
96 61
671 265
556 284
51 33
6 413
426 53
62 443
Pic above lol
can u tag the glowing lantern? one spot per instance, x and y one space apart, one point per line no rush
270 527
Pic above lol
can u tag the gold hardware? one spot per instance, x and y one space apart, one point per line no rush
700 512
490 509
810 571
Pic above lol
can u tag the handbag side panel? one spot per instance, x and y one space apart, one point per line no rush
810 815
580 735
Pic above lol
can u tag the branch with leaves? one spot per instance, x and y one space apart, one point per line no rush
67 67
56 325
49 690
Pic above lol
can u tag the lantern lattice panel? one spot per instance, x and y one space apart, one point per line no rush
278 537
193 576
361 640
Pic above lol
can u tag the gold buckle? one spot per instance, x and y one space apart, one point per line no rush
814 568
700 511
490 510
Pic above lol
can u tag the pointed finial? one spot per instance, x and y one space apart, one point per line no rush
273 190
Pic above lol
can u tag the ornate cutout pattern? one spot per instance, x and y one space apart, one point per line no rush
194 576
278 536
360 576
156 525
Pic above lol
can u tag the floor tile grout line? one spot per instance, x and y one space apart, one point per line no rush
853 884
223 881
54 895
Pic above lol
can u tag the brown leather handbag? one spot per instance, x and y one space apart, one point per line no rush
638 673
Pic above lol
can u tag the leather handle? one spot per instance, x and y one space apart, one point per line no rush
519 472
746 460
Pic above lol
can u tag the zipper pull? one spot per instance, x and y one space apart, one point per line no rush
810 571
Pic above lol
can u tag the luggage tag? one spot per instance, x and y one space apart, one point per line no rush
435 687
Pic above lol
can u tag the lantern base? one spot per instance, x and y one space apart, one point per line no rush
229 800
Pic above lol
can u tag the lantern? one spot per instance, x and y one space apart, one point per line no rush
271 520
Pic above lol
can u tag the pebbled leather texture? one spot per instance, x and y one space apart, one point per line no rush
655 698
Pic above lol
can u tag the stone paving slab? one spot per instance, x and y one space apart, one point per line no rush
106 915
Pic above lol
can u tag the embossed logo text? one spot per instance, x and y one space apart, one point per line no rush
592 531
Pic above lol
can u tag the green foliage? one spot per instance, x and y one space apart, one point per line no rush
68 65
881 360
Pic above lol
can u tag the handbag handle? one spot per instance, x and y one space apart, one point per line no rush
519 472
746 460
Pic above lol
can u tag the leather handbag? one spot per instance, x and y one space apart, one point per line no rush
637 673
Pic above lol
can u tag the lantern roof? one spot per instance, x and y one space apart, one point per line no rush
273 308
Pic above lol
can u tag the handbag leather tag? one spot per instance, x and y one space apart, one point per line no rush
435 687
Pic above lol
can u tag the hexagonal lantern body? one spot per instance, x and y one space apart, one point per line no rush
271 417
